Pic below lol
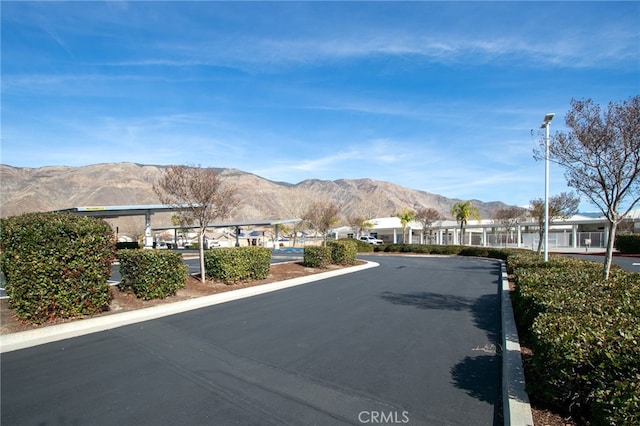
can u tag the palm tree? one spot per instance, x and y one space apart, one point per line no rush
405 216
463 211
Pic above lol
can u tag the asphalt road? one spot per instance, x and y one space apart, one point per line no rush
628 263
414 341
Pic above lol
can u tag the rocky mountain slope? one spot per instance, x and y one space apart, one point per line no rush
49 188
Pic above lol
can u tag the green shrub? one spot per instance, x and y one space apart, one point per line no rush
584 333
628 243
422 249
56 265
474 251
234 264
587 362
361 246
343 252
317 256
152 274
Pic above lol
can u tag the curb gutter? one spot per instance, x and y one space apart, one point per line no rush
515 401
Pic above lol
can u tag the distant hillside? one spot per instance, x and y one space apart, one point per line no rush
51 188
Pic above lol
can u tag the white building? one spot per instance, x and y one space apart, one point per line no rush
576 231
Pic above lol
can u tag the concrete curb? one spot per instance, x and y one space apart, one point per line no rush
515 401
26 339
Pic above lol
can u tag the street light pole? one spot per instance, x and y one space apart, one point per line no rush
545 125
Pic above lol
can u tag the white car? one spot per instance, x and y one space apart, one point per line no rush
371 240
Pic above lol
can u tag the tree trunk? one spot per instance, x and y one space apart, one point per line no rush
540 238
609 254
201 250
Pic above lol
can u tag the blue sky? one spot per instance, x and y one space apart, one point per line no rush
446 97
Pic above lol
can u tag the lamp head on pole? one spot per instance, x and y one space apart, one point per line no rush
547 120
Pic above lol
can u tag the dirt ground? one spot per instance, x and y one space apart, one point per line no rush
126 301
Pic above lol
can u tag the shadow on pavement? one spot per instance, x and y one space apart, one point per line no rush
477 375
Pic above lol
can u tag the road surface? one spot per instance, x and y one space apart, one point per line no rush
414 341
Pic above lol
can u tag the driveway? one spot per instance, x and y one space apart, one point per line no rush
629 262
414 341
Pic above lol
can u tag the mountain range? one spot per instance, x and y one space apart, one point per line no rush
50 188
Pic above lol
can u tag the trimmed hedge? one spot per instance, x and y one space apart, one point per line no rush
584 334
234 264
361 246
420 248
628 243
446 250
317 257
152 274
340 252
56 265
343 252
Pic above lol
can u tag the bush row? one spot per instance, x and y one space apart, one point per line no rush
628 243
152 274
584 334
445 250
233 264
56 265
340 252
361 246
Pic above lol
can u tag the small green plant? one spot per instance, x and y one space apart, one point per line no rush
343 252
628 243
152 274
317 256
362 246
234 264
56 265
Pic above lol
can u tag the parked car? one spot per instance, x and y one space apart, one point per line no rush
370 240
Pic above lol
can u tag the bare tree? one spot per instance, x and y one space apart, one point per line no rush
509 217
358 224
601 158
369 206
321 216
427 216
561 206
200 196
296 206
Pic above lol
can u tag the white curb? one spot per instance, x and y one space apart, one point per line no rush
515 401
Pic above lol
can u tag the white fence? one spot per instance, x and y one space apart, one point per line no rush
527 240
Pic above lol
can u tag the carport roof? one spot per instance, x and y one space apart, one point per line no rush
137 210
268 222
116 211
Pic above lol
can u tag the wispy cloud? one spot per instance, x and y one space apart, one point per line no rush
438 96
